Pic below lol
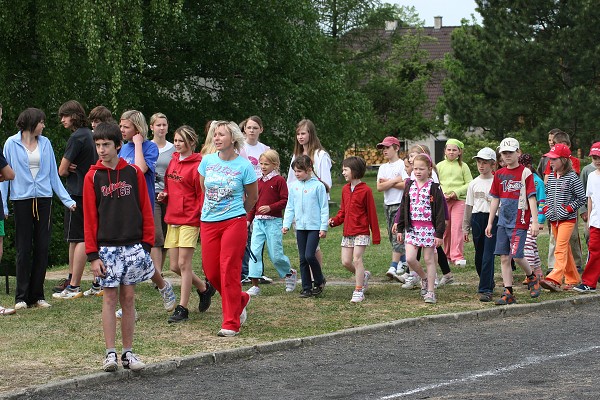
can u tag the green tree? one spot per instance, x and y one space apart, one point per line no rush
531 66
194 61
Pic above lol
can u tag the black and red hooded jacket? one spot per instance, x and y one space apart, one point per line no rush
116 208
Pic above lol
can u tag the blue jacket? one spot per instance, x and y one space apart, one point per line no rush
307 205
24 186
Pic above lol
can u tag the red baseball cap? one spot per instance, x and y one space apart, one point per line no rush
595 150
388 141
558 151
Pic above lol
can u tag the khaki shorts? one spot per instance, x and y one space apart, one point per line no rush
181 236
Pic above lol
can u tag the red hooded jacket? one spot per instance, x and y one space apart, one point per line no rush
357 212
184 195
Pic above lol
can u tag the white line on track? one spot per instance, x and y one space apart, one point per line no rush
529 361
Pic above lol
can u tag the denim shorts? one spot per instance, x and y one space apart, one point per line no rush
510 241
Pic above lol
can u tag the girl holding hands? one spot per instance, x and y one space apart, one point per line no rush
358 214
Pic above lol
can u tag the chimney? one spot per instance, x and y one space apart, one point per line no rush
437 22
390 26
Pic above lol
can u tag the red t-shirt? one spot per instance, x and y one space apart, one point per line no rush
507 186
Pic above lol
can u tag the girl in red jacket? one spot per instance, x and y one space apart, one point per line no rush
184 198
358 214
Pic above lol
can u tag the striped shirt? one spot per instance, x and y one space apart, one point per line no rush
564 195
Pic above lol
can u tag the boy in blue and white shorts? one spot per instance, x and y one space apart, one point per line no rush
119 233
513 192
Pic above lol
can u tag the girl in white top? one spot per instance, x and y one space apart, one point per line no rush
253 127
307 143
159 125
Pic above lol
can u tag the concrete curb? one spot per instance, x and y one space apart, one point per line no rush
282 345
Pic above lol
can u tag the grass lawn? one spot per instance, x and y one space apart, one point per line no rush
66 340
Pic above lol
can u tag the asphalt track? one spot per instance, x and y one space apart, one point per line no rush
534 351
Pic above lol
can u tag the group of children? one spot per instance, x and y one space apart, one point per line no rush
429 208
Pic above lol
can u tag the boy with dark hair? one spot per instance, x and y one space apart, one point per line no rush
79 156
100 114
513 194
119 234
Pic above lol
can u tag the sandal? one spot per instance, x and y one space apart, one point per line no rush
7 311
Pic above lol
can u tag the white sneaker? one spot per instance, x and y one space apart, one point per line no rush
460 263
42 304
119 314
402 278
130 361
68 293
402 268
244 314
253 291
430 298
391 273
412 281
20 305
94 291
168 295
446 280
357 296
110 362
291 281
227 333
423 287
366 281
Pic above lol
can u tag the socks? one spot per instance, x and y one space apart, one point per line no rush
127 350
510 289
111 350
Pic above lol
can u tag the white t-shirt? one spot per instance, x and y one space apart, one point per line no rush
389 171
252 154
34 161
593 192
321 166
478 194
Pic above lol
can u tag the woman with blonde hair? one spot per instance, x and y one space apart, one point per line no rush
230 191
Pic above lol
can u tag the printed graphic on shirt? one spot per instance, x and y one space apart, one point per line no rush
220 188
123 188
507 186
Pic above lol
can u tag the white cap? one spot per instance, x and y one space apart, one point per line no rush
486 154
508 144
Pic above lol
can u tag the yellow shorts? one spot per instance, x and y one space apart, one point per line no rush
181 236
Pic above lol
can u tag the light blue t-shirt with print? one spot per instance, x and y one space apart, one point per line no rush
224 187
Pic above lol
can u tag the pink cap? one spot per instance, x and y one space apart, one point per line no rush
388 141
595 150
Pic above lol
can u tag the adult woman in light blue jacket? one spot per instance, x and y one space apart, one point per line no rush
36 177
